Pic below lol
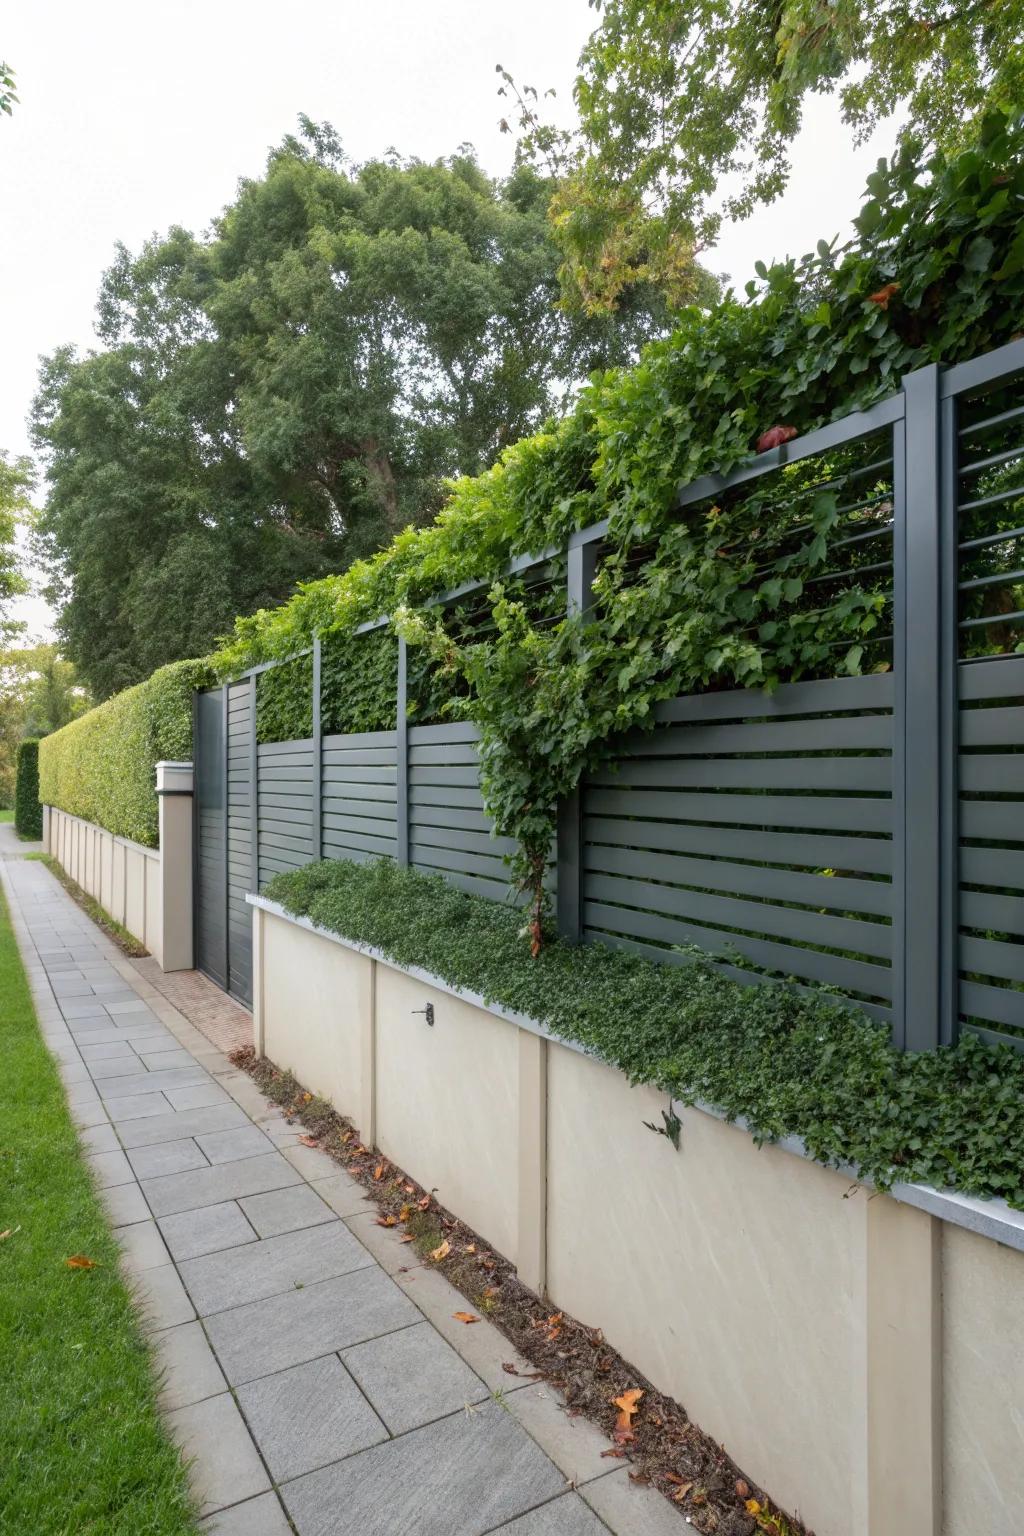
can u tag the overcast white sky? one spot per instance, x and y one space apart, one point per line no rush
134 116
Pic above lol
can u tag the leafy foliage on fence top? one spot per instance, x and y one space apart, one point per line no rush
28 813
788 1063
102 766
936 275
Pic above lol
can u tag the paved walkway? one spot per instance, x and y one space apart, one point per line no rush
313 1370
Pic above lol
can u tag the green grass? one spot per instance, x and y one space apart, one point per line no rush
6 815
82 1449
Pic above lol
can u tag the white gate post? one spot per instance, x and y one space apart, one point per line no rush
174 791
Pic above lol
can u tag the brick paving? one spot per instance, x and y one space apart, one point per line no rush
313 1371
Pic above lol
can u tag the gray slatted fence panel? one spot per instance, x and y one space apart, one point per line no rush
239 850
449 830
991 959
715 830
358 806
285 806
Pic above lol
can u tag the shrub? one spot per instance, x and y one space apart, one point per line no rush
28 813
102 766
790 1064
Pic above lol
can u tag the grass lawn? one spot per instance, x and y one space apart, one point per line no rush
82 1450
6 815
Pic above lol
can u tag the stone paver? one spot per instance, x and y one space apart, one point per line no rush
315 1378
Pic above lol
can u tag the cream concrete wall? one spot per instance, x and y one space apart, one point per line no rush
733 1277
316 1010
447 1103
983 1386
860 1358
122 876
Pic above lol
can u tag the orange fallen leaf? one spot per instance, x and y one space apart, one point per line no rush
410 1189
307 1098
470 1249
752 1507
309 1141
681 1492
407 1238
742 1488
627 1406
387 1221
79 1261
492 1290
466 1317
405 1213
437 1254
424 1203
614 1451
378 1172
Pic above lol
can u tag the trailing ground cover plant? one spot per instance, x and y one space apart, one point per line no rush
721 594
787 1063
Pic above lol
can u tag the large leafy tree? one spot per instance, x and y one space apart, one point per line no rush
675 95
287 393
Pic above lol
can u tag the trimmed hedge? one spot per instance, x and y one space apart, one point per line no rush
788 1063
28 813
102 766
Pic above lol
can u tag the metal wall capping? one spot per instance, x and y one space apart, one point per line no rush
865 833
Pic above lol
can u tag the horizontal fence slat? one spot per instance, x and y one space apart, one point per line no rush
844 933
363 757
424 855
999 1005
272 749
422 816
432 735
874 896
453 837
454 755
870 855
360 739
837 733
789 960
357 773
432 794
993 957
821 812
992 774
336 844
337 805
996 913
795 773
999 819
1000 726
444 775
993 677
992 866
337 791
272 773
367 826
874 691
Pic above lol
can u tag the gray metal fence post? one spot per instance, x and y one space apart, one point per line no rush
569 835
318 756
402 758
254 791
924 724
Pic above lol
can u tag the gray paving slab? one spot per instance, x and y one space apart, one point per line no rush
125 1204
240 1275
187 1366
345 1195
226 1466
309 1416
229 1146
175 1124
435 1481
154 1082
574 1444
209 1186
166 1157
627 1507
109 1168
137 1106
413 1377
161 1059
300 1325
207 1230
285 1210
199 1097
108 1050
565 1516
256 1517
99 1138
142 1247
161 1298
115 1066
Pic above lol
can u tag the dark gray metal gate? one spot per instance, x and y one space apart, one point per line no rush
223 809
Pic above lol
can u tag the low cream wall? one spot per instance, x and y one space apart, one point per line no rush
124 877
146 890
858 1357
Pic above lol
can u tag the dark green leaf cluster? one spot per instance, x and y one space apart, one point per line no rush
28 813
787 1063
102 766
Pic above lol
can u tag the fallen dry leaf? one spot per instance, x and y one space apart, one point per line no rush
752 1507
405 1213
492 1290
424 1203
410 1189
9 1233
742 1488
627 1406
407 1238
79 1261
309 1141
681 1492
465 1317
378 1172
470 1249
507 1365
437 1254
614 1451
387 1221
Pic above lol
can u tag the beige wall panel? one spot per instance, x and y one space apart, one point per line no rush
135 892
731 1276
983 1385
316 1004
154 935
447 1102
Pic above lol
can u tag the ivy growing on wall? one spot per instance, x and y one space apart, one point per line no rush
721 593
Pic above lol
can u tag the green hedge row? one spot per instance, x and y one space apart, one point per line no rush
102 766
790 1064
28 813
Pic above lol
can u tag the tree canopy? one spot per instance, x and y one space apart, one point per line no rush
676 95
288 392
39 693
